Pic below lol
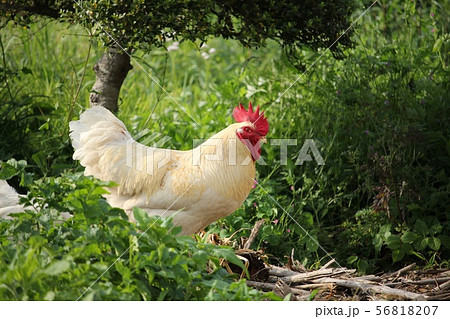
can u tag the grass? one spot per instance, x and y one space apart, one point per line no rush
379 118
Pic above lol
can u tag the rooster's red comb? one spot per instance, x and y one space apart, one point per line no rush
240 114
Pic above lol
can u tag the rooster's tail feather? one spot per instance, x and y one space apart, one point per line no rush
95 136
9 200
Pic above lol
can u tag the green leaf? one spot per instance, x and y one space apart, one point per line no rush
397 255
407 248
99 191
421 227
435 229
228 254
394 242
26 179
308 218
313 294
434 243
421 244
8 171
362 265
351 259
378 242
150 275
437 45
200 257
413 207
57 267
311 244
445 241
141 216
409 237
40 160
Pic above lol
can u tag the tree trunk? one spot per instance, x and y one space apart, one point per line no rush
110 70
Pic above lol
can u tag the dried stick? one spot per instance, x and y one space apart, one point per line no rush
253 234
269 287
281 272
316 274
428 281
328 264
373 288
403 270
316 286
431 281
445 285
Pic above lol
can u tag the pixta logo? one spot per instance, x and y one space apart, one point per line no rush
151 158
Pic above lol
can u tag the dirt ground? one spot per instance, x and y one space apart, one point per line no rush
330 283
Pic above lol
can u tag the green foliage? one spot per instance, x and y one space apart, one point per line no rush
24 110
143 24
379 119
401 159
97 254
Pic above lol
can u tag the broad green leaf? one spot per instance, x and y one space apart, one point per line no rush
352 259
57 267
420 244
7 171
394 242
311 244
421 227
150 275
141 216
434 243
378 242
99 191
200 257
407 248
409 237
362 265
435 229
397 255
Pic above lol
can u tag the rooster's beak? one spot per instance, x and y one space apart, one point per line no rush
263 140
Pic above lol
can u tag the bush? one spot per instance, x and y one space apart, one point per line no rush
378 117
99 255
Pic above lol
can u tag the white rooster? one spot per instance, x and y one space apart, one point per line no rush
200 185
195 187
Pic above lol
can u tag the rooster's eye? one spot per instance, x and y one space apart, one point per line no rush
247 130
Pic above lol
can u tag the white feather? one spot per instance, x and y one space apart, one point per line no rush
9 200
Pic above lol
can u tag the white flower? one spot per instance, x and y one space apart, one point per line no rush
173 46
205 55
212 50
204 46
